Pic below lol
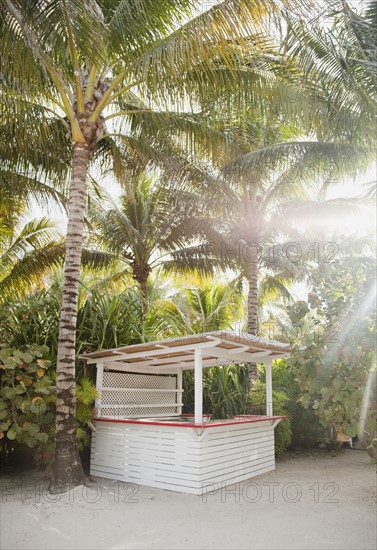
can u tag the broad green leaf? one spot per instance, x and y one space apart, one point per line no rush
27 357
41 436
31 428
12 433
8 392
3 405
38 408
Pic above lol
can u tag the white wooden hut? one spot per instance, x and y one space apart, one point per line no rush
141 435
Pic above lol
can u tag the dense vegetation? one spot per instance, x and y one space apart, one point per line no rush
193 156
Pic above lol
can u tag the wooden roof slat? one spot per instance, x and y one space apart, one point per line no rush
234 348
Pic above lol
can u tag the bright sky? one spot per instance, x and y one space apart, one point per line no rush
362 222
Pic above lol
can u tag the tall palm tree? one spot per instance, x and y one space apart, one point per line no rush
90 63
262 203
269 182
152 220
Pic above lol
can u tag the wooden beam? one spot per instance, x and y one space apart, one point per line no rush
239 357
155 352
147 368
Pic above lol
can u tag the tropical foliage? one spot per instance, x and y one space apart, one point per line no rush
335 359
80 65
153 220
27 403
26 392
190 151
27 253
257 406
337 53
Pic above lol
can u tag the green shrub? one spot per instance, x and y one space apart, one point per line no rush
335 358
32 319
257 405
224 391
26 395
307 430
27 405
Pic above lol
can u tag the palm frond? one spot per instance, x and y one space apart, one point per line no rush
199 45
273 287
340 64
29 255
342 156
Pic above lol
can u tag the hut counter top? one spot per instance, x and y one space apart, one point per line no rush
188 422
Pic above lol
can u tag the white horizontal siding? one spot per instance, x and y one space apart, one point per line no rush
191 460
181 484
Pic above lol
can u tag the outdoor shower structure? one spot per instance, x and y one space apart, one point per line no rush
141 435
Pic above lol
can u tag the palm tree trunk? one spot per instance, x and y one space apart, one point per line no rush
144 293
251 271
141 273
67 469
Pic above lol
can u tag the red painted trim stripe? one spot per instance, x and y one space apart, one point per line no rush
246 420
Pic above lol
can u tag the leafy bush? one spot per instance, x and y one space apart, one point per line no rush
31 318
86 393
26 392
307 430
335 362
224 391
27 404
257 405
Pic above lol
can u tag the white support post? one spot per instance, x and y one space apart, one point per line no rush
179 388
99 385
198 387
269 409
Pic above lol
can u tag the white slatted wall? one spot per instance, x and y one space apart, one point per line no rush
182 459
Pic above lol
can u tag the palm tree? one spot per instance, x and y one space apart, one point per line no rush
89 62
153 220
260 208
211 305
29 171
338 60
269 184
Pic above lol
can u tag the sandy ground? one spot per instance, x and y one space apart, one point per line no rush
310 501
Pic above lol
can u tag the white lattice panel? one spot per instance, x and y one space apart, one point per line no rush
131 380
129 411
110 397
138 395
